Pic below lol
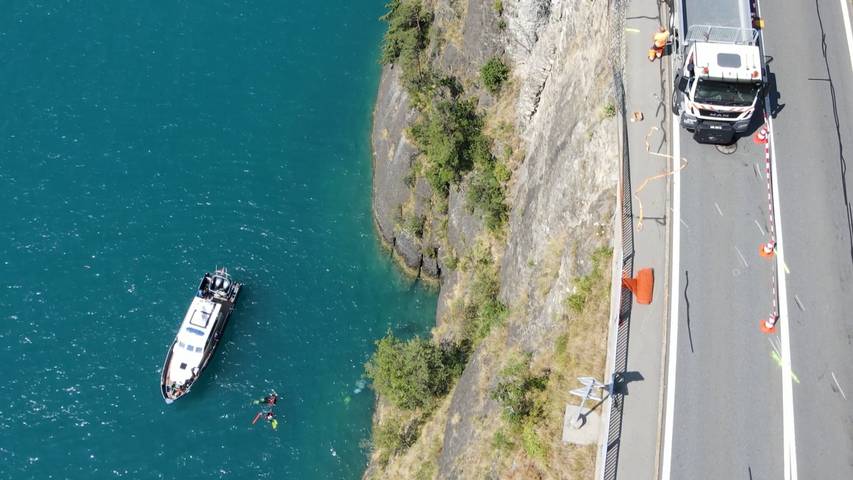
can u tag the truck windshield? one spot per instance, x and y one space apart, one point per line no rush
726 93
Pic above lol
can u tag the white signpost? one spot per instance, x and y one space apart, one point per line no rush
587 392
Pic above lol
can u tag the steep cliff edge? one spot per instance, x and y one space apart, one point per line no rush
552 127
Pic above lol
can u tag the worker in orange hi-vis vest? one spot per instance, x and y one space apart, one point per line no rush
660 39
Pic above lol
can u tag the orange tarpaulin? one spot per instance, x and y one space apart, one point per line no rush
642 286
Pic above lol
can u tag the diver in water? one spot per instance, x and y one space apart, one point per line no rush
266 413
270 400
270 417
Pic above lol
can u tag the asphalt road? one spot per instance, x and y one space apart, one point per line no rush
813 132
727 404
728 397
727 417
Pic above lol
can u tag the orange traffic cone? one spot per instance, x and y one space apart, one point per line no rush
642 286
767 249
760 136
769 325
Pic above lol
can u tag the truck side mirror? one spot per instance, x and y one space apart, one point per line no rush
681 83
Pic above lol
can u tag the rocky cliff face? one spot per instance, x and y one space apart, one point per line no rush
561 193
564 191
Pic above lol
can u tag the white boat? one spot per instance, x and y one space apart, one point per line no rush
199 334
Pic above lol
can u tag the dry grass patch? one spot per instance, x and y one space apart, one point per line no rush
531 446
549 269
579 351
420 460
452 29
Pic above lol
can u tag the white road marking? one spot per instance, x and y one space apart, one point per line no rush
742 258
760 228
845 16
718 209
789 441
773 344
672 354
839 386
789 434
799 303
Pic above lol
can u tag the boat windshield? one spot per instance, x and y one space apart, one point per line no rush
731 94
195 331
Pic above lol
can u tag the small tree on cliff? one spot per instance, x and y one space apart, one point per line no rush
450 136
412 374
494 73
408 27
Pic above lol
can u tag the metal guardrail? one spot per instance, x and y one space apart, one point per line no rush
623 265
621 317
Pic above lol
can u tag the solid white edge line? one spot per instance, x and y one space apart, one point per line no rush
845 15
672 354
789 433
789 443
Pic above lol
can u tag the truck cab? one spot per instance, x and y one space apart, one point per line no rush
718 82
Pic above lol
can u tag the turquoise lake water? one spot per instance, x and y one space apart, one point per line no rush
144 143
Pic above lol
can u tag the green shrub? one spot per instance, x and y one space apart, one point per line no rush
387 439
450 136
583 289
502 173
414 224
516 393
584 285
494 73
483 309
414 373
498 6
393 436
405 41
531 442
501 441
609 110
486 193
408 32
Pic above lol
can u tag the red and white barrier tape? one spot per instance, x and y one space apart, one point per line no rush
771 224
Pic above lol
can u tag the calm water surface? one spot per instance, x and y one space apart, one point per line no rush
143 143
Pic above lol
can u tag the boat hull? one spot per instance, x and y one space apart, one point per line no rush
223 303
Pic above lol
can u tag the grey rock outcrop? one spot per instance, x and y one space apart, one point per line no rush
392 152
562 191
481 37
560 195
393 155
565 188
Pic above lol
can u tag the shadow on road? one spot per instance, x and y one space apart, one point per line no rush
687 302
773 95
621 381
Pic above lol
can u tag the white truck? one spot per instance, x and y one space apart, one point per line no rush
719 69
